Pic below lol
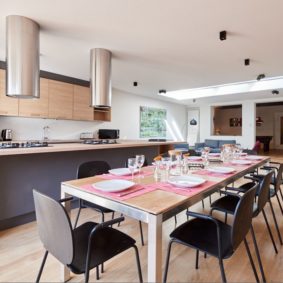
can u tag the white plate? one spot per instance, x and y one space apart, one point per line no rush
241 162
253 157
223 170
186 181
121 171
195 158
111 186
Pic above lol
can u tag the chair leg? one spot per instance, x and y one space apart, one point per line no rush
79 212
251 260
138 263
97 272
102 217
41 266
226 217
269 231
113 214
281 193
187 214
167 261
279 203
275 221
102 267
210 199
202 201
223 276
257 254
120 222
175 216
141 232
197 257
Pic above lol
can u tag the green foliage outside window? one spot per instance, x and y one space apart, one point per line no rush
152 122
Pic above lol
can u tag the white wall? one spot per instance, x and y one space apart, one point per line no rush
125 116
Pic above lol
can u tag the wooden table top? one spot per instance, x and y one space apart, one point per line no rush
159 201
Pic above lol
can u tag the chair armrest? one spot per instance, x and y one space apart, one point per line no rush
65 199
202 216
238 190
273 162
106 224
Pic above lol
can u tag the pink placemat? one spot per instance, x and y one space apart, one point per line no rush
181 191
125 177
134 191
213 174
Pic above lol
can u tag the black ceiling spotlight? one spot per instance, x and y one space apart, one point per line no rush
247 62
260 77
223 35
162 91
135 83
275 92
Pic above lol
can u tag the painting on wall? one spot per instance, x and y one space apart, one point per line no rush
152 122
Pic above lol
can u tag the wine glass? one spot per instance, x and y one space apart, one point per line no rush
139 162
132 165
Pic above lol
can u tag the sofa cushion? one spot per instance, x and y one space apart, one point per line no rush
222 142
211 143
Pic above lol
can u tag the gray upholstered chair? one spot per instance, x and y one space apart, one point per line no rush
81 248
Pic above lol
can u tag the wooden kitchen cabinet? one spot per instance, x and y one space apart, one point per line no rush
61 100
9 106
82 110
36 107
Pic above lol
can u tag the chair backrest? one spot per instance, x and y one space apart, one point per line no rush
263 192
92 168
279 177
243 217
54 227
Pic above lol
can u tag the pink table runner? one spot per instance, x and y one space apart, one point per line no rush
134 191
181 191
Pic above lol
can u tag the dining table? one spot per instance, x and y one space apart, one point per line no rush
153 201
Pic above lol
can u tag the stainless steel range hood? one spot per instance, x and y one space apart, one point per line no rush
22 57
100 78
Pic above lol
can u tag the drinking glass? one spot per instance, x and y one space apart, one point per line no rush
139 162
132 165
165 165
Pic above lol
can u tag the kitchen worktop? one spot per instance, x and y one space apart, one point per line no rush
79 146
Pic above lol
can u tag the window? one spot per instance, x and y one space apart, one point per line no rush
152 122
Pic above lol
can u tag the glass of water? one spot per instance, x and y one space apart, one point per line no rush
132 165
139 162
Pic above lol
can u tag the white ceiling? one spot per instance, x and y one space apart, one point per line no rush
162 44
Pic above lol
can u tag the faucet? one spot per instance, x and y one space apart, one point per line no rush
45 132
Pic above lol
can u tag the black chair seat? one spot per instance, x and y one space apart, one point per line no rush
96 207
107 243
201 234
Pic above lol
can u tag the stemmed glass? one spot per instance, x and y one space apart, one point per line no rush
132 165
139 162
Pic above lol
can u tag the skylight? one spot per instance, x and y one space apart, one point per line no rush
226 89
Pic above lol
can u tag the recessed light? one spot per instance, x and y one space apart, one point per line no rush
247 62
260 77
162 91
135 83
275 92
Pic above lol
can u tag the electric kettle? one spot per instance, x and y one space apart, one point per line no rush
6 135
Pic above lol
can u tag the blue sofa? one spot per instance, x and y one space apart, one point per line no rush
215 145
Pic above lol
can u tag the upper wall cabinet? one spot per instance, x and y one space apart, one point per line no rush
9 106
36 107
82 110
61 99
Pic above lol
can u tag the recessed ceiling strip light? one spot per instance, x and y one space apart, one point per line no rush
226 89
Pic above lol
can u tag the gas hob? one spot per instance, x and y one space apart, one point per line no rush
32 144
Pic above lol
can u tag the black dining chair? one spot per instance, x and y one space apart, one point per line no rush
89 169
209 235
228 204
80 249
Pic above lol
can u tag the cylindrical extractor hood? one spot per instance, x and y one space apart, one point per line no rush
100 78
22 57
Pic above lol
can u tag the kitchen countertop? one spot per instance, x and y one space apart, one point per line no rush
77 146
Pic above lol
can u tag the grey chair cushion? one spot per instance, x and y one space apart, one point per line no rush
211 143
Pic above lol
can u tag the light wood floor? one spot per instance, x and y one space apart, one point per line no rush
21 253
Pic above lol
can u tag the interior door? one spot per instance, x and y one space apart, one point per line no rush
278 130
